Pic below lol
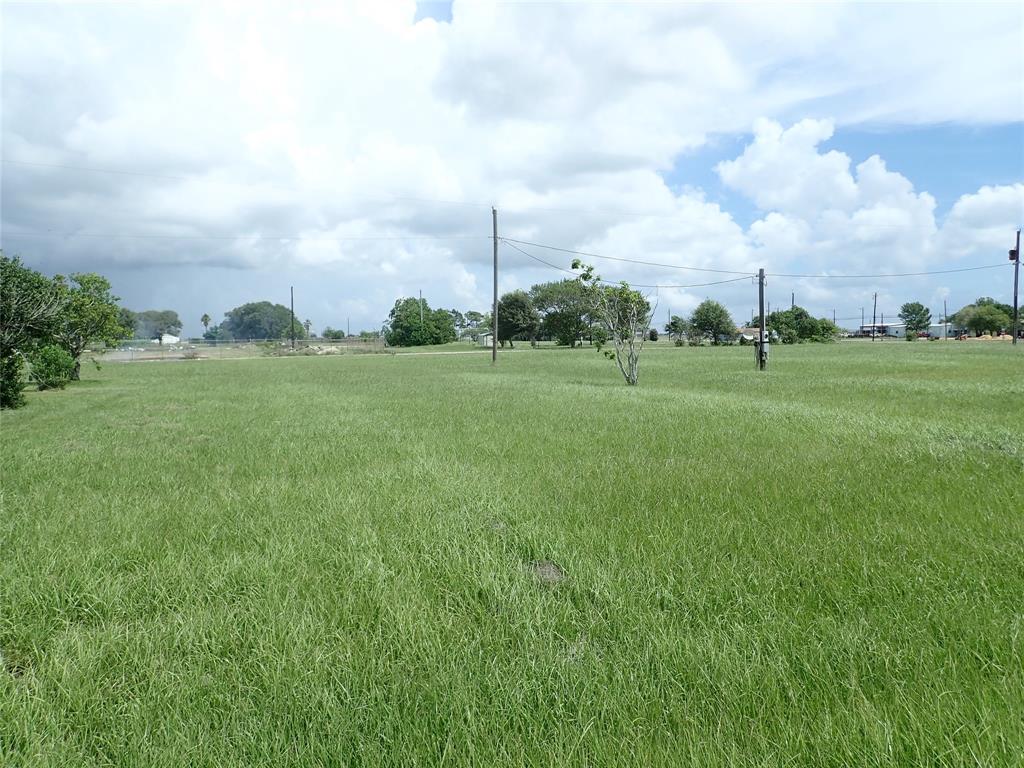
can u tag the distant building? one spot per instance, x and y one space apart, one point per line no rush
484 339
881 330
168 339
748 334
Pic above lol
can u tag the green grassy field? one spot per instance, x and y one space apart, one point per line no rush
423 560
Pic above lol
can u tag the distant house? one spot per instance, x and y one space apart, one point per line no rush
484 339
881 330
167 338
747 334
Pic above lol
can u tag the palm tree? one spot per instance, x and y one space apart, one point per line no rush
307 325
205 320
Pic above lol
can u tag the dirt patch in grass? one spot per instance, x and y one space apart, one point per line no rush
547 571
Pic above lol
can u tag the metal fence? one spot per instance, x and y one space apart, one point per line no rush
139 350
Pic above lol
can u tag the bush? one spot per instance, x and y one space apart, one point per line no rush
52 367
11 381
680 342
653 334
911 335
599 336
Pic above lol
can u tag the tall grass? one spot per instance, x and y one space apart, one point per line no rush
424 560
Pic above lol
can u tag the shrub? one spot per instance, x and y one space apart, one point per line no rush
911 335
653 334
599 336
680 342
11 381
52 367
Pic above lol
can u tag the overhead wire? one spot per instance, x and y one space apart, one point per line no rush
611 282
628 261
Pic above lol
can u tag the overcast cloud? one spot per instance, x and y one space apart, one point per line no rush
354 152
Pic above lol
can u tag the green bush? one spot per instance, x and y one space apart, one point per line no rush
52 367
11 381
599 336
911 335
653 334
679 342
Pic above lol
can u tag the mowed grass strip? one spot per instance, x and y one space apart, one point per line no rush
424 560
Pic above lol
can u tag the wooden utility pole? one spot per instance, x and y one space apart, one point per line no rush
291 290
874 316
494 310
792 299
1015 256
762 338
421 308
945 321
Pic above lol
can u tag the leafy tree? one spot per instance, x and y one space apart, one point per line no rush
333 334
154 323
458 319
473 319
677 327
90 314
369 334
217 332
565 307
652 334
623 312
916 316
52 367
30 306
405 328
983 318
128 320
307 325
713 320
517 319
261 320
205 320
796 325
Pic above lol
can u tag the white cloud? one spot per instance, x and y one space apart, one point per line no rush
339 120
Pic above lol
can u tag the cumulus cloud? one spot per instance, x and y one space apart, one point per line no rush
286 141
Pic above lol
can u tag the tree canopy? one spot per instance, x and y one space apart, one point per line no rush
154 323
261 320
677 327
712 320
982 318
795 325
916 316
30 309
565 309
517 318
407 327
90 314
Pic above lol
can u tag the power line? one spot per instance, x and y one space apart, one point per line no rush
611 282
629 261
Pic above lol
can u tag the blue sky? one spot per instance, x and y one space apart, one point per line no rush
944 160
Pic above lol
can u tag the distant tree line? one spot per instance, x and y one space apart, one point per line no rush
150 324
257 320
